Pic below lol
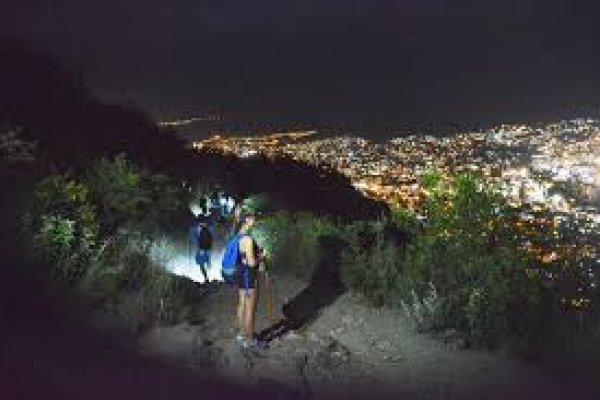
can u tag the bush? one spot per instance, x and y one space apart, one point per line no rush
152 301
423 311
371 263
293 241
55 238
467 252
116 186
117 272
62 226
130 198
406 220
169 201
129 282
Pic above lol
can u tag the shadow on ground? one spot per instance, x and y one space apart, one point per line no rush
324 288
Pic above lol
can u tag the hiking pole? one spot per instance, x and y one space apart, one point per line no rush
269 290
269 298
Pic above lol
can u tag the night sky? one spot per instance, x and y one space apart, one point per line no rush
373 63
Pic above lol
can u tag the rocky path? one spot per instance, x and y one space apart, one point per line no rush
352 350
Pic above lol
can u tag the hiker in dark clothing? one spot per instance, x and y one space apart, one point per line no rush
201 240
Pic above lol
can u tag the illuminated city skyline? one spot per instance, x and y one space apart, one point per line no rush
527 162
549 173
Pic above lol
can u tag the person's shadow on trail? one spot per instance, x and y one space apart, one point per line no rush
324 288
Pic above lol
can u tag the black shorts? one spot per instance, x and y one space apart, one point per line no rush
247 278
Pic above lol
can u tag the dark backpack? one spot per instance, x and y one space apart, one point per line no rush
205 239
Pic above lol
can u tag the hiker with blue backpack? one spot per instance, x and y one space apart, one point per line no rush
201 241
240 267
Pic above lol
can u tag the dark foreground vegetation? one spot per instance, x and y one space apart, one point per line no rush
91 188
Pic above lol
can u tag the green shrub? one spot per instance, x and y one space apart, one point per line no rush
474 263
55 241
116 187
406 220
168 200
128 197
371 263
128 282
423 311
62 225
116 267
153 302
293 241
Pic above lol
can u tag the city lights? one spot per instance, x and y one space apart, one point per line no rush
548 172
553 167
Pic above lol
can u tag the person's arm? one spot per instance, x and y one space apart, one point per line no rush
247 248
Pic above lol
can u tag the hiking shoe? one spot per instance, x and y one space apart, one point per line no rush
255 344
248 344
240 338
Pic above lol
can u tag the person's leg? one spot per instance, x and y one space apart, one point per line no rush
199 261
203 268
240 310
249 312
203 260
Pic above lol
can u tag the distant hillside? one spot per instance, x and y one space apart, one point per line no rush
291 185
72 128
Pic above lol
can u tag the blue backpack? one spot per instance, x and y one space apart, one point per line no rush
230 259
230 264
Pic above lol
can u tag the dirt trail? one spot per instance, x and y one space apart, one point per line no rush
350 348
